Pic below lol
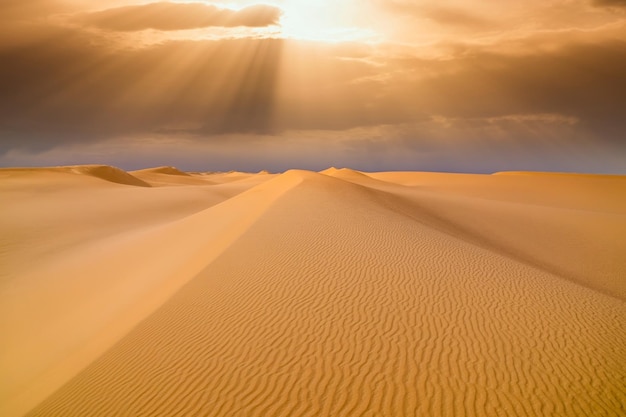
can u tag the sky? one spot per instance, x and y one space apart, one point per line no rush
376 85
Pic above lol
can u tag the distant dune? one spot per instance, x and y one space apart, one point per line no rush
339 293
162 170
170 176
103 172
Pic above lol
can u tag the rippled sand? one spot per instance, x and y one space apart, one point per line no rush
340 293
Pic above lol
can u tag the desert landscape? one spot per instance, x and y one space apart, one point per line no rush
160 292
298 208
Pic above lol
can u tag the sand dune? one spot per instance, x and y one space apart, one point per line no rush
337 293
163 170
571 225
103 172
170 176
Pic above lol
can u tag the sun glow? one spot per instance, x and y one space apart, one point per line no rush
312 20
317 20
321 20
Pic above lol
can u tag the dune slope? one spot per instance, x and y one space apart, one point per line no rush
568 224
105 255
334 295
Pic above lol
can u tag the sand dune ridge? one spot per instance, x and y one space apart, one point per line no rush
316 294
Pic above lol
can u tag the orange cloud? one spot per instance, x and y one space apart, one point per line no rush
167 16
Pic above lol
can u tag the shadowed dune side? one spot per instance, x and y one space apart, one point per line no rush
102 172
156 179
356 177
332 301
105 267
170 176
107 173
224 177
570 225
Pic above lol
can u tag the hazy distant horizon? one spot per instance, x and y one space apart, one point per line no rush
224 167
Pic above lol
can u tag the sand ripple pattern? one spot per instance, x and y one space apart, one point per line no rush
349 307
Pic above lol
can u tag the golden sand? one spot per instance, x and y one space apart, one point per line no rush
340 293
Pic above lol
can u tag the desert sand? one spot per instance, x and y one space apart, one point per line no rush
339 293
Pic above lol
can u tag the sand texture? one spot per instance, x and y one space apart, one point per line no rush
340 293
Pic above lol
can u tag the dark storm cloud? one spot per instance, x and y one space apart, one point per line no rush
585 81
167 16
610 3
512 92
61 88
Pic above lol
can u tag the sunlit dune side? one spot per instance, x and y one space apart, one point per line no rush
337 293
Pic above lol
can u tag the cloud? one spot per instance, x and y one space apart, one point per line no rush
167 16
19 9
514 93
456 17
584 81
375 148
610 3
443 15
63 87
70 87
423 21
